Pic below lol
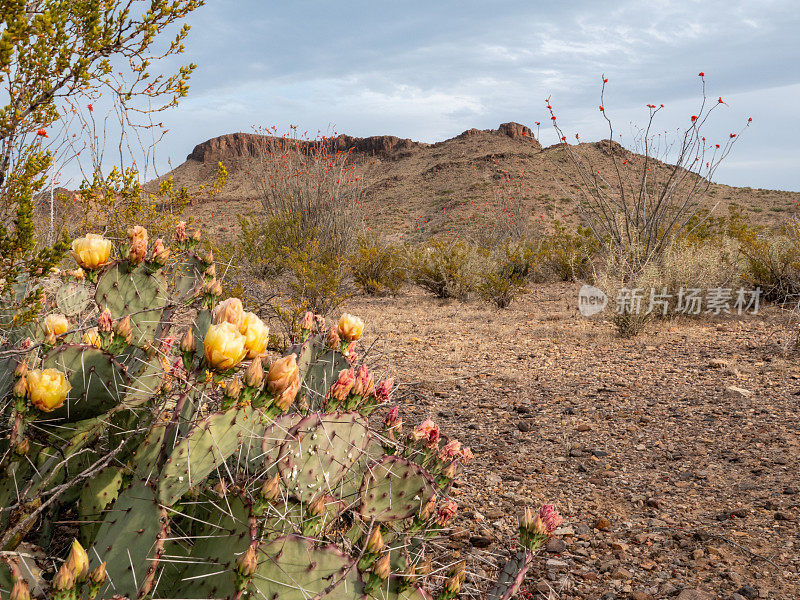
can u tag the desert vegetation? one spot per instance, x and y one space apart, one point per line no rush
190 412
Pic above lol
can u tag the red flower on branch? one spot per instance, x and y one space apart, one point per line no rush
602 109
42 133
694 118
701 74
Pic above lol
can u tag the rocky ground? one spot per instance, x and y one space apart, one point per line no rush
673 456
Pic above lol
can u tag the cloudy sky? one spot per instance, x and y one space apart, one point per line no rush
428 70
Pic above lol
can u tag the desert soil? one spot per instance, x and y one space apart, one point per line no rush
673 456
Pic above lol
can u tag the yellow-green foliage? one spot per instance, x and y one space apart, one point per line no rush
505 274
567 254
772 260
447 268
378 268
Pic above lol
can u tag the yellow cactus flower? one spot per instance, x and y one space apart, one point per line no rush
56 325
78 561
230 310
350 328
91 337
256 335
138 247
47 389
282 374
224 346
91 252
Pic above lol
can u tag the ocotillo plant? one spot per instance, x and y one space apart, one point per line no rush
189 467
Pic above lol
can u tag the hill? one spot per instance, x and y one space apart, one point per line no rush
418 189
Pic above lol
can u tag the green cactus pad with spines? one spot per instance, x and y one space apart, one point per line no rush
511 576
319 368
199 329
224 535
272 440
146 382
390 591
318 452
187 277
147 456
207 446
98 382
138 293
95 495
292 568
394 488
7 366
73 298
130 540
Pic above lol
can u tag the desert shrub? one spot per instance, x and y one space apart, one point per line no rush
772 260
314 182
378 268
566 254
506 272
446 268
687 265
154 450
286 270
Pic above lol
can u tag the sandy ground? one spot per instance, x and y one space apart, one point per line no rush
673 456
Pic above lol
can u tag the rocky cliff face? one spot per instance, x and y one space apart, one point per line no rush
516 131
235 146
247 145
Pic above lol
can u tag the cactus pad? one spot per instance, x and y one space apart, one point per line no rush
394 488
207 446
212 559
511 576
319 368
319 451
95 495
272 440
98 381
138 293
73 298
292 568
130 541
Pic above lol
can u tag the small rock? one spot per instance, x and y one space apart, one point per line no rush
619 546
718 363
789 490
698 554
480 541
621 574
599 453
554 563
556 546
523 426
652 503
602 524
748 591
688 594
640 595
780 516
667 589
736 392
583 427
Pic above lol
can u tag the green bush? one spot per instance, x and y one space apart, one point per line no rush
567 255
446 268
378 268
506 274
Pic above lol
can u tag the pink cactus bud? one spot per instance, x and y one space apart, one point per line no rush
450 450
446 512
364 385
384 389
428 509
343 386
308 322
332 339
427 432
393 420
247 563
350 353
180 231
466 455
550 518
104 322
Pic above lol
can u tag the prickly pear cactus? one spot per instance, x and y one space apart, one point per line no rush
198 465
